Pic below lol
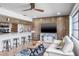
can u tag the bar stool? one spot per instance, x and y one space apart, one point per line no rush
29 38
23 40
42 38
15 42
6 45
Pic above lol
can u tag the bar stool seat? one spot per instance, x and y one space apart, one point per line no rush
23 40
15 42
6 45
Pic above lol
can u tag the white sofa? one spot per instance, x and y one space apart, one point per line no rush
67 50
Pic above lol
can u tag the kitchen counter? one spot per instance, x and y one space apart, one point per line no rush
12 33
3 33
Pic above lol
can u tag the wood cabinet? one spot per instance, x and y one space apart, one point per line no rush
14 27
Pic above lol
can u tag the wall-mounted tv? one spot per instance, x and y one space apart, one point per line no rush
48 28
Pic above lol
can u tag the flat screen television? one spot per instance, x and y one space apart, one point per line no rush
48 28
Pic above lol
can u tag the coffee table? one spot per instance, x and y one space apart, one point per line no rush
34 44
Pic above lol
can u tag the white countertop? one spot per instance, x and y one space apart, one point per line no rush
10 35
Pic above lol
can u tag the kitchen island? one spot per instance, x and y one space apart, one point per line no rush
10 41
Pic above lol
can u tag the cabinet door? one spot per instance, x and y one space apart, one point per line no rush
14 27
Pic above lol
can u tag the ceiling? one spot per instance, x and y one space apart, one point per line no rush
50 9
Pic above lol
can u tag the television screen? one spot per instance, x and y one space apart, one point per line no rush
48 28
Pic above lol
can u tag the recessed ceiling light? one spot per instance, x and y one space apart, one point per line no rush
58 13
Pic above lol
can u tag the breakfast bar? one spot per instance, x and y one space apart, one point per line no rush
11 41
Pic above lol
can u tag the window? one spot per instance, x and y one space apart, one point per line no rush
75 25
